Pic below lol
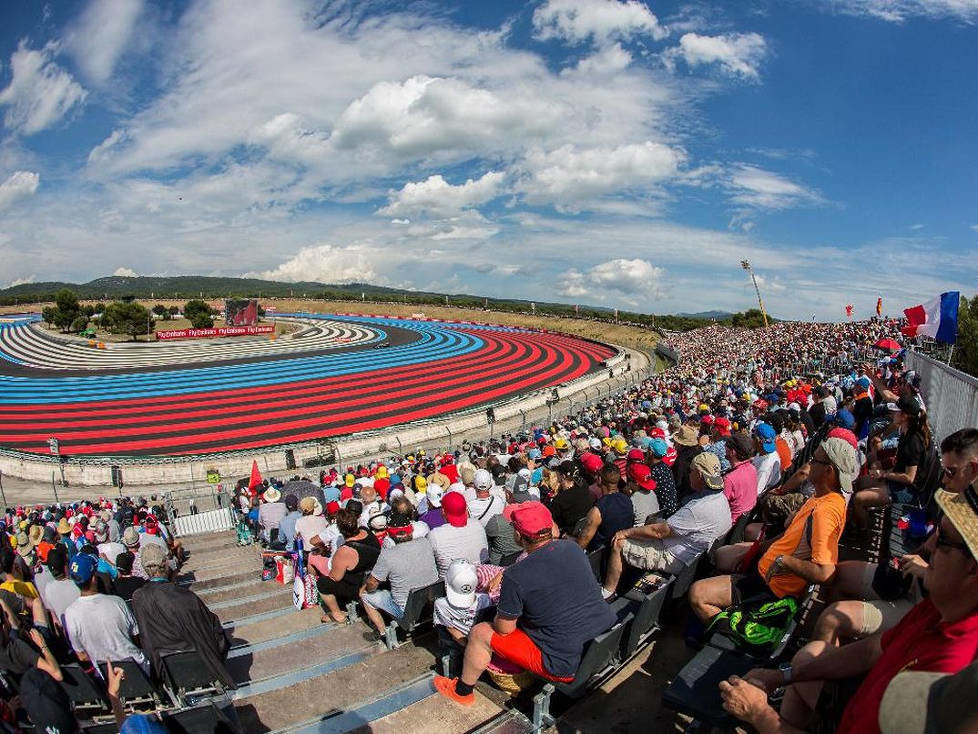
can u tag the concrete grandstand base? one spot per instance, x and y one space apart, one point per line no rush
73 474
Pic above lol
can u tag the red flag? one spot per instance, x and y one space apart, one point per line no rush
849 310
879 306
255 476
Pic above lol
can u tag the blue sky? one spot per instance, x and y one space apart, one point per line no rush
620 153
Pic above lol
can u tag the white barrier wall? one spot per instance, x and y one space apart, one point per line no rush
951 396
203 522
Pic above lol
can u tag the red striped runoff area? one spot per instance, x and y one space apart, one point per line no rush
128 400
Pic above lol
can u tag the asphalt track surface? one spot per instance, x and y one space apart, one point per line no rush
406 371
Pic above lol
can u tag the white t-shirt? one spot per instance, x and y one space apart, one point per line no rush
309 525
461 619
484 510
467 543
102 627
59 595
768 471
111 550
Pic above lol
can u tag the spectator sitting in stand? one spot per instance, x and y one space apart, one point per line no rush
286 526
573 500
671 545
740 483
460 537
408 565
806 553
549 608
613 512
940 634
270 514
767 461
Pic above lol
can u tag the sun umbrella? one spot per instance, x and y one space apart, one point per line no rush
889 345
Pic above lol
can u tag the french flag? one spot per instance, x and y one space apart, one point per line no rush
937 319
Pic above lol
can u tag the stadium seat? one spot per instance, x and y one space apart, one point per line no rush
599 660
86 697
186 676
417 611
136 689
199 720
685 578
647 608
694 692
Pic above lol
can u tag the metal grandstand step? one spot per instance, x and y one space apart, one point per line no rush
411 708
300 697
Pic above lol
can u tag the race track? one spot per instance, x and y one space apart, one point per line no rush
337 375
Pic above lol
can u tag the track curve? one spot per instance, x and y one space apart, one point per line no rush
235 397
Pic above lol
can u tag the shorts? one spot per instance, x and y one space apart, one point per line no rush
648 555
879 615
383 600
747 585
518 648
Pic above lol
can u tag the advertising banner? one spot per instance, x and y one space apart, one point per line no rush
216 332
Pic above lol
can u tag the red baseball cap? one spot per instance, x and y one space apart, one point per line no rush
641 474
529 518
723 426
455 508
635 455
592 462
332 508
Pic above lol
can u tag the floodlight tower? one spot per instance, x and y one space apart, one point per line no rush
745 264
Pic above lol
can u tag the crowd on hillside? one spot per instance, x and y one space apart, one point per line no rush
761 449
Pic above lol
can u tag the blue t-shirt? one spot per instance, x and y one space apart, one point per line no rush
616 514
556 600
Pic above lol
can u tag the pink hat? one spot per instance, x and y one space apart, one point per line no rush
529 518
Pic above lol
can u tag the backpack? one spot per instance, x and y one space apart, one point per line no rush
757 630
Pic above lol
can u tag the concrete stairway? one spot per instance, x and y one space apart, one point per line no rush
297 674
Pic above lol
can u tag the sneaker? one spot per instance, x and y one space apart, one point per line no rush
446 687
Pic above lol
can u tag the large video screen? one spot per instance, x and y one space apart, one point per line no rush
241 311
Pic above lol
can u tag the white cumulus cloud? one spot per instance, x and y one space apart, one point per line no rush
22 281
738 54
125 273
19 185
328 264
568 174
40 92
426 115
436 197
637 279
576 21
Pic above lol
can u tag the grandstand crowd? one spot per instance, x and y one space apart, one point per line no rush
753 464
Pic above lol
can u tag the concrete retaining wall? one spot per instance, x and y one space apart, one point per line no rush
628 367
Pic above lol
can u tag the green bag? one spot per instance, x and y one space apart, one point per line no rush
759 630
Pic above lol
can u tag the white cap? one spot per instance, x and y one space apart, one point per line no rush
434 493
483 480
457 487
460 582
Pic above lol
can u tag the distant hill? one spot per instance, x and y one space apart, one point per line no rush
185 287
718 315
